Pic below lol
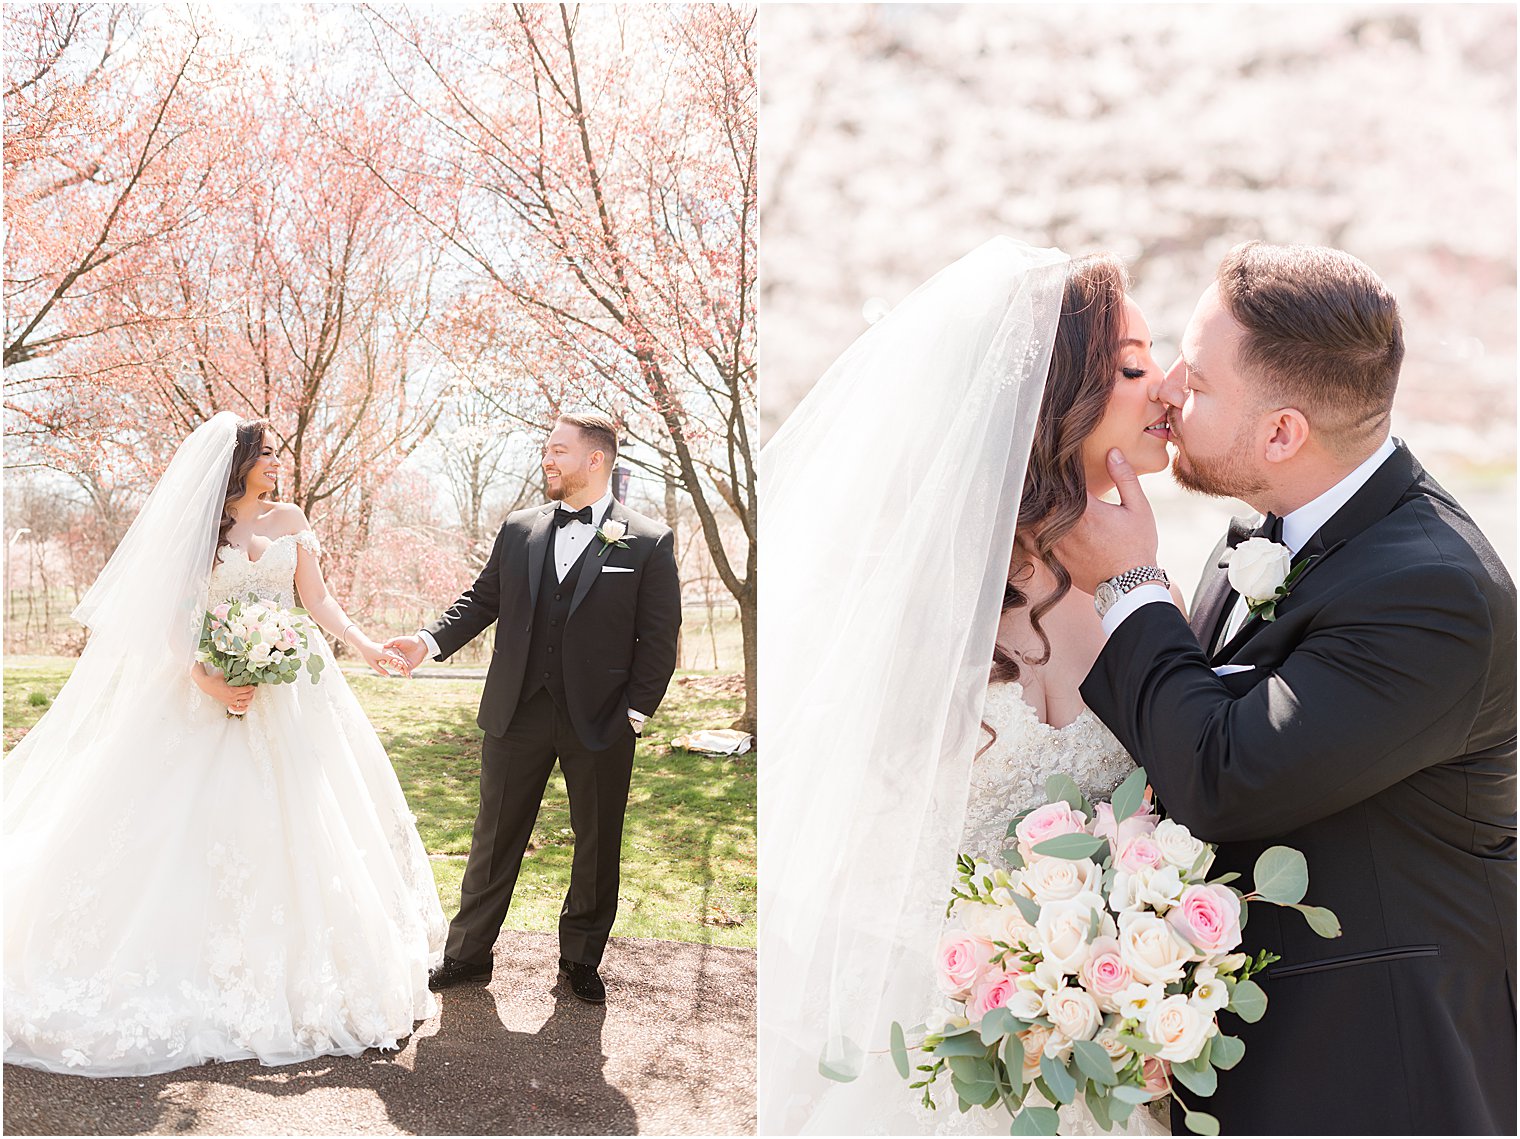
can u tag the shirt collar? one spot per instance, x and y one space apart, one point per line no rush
599 508
1299 526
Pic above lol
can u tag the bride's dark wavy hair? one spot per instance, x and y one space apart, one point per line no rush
1083 365
245 453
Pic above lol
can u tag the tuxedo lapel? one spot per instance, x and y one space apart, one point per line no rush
593 560
538 542
1213 597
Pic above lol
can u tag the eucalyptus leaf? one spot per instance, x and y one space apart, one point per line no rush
1139 1044
1201 1123
973 1094
1060 788
1321 921
1281 875
1093 1060
1013 1061
1028 907
968 1044
1131 1094
1013 823
1058 1079
1225 879
972 1069
1036 1121
1227 1051
1012 856
1073 847
1129 795
1204 1082
1248 1001
1097 1103
998 1022
899 1050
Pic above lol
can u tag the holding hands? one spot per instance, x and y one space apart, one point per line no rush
406 652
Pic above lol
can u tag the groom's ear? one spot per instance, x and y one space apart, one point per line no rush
1289 429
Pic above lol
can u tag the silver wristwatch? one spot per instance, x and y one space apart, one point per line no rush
1107 595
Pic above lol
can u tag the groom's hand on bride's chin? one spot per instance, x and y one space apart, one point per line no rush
1110 538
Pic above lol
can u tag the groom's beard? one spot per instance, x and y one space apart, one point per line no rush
1224 476
566 486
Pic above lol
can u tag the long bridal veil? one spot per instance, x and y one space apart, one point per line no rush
888 500
144 614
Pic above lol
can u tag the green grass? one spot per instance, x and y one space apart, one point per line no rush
689 839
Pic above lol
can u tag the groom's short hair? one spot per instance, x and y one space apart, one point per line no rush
598 430
1323 334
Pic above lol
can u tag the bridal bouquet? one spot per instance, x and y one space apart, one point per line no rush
259 642
1096 964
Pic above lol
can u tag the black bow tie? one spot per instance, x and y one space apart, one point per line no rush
1270 528
563 517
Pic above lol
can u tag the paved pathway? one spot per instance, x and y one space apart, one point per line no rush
672 1052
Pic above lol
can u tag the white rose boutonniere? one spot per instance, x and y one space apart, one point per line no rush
612 533
1262 571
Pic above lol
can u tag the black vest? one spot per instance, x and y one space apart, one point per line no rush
546 648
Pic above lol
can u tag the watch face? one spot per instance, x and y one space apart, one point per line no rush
1105 595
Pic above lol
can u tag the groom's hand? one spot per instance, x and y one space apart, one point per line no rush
411 651
1109 539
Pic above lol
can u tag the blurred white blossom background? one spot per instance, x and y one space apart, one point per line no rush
895 138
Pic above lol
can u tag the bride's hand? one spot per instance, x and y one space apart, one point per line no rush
378 657
237 699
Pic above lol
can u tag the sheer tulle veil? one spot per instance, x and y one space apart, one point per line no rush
888 501
144 614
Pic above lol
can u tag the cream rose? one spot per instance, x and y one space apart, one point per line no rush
1179 848
1208 917
1154 954
613 530
1179 1027
1073 1013
1257 567
1060 879
1063 929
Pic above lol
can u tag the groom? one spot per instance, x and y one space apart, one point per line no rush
587 604
1369 724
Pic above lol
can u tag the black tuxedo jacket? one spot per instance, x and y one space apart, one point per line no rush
620 638
1374 731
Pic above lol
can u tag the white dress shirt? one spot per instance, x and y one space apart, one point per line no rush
1298 528
570 540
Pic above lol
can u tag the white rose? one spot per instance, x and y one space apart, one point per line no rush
613 530
1257 567
1209 992
1063 929
1060 879
1136 1002
1154 954
260 654
1073 1013
1180 1028
1108 1039
1179 848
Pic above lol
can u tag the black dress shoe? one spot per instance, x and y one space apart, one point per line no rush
456 972
584 981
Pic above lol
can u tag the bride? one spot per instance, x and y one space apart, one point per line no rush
181 885
956 442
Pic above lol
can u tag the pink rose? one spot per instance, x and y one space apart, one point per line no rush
1208 917
1139 851
1156 1073
1142 822
960 960
1047 822
221 611
1104 973
991 992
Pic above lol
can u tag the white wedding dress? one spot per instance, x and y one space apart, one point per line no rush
216 888
1009 776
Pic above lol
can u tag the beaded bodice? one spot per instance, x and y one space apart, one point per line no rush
272 576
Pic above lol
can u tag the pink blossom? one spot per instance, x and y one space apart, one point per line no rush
1156 1073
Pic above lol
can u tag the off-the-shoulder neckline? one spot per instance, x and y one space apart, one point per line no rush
272 541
